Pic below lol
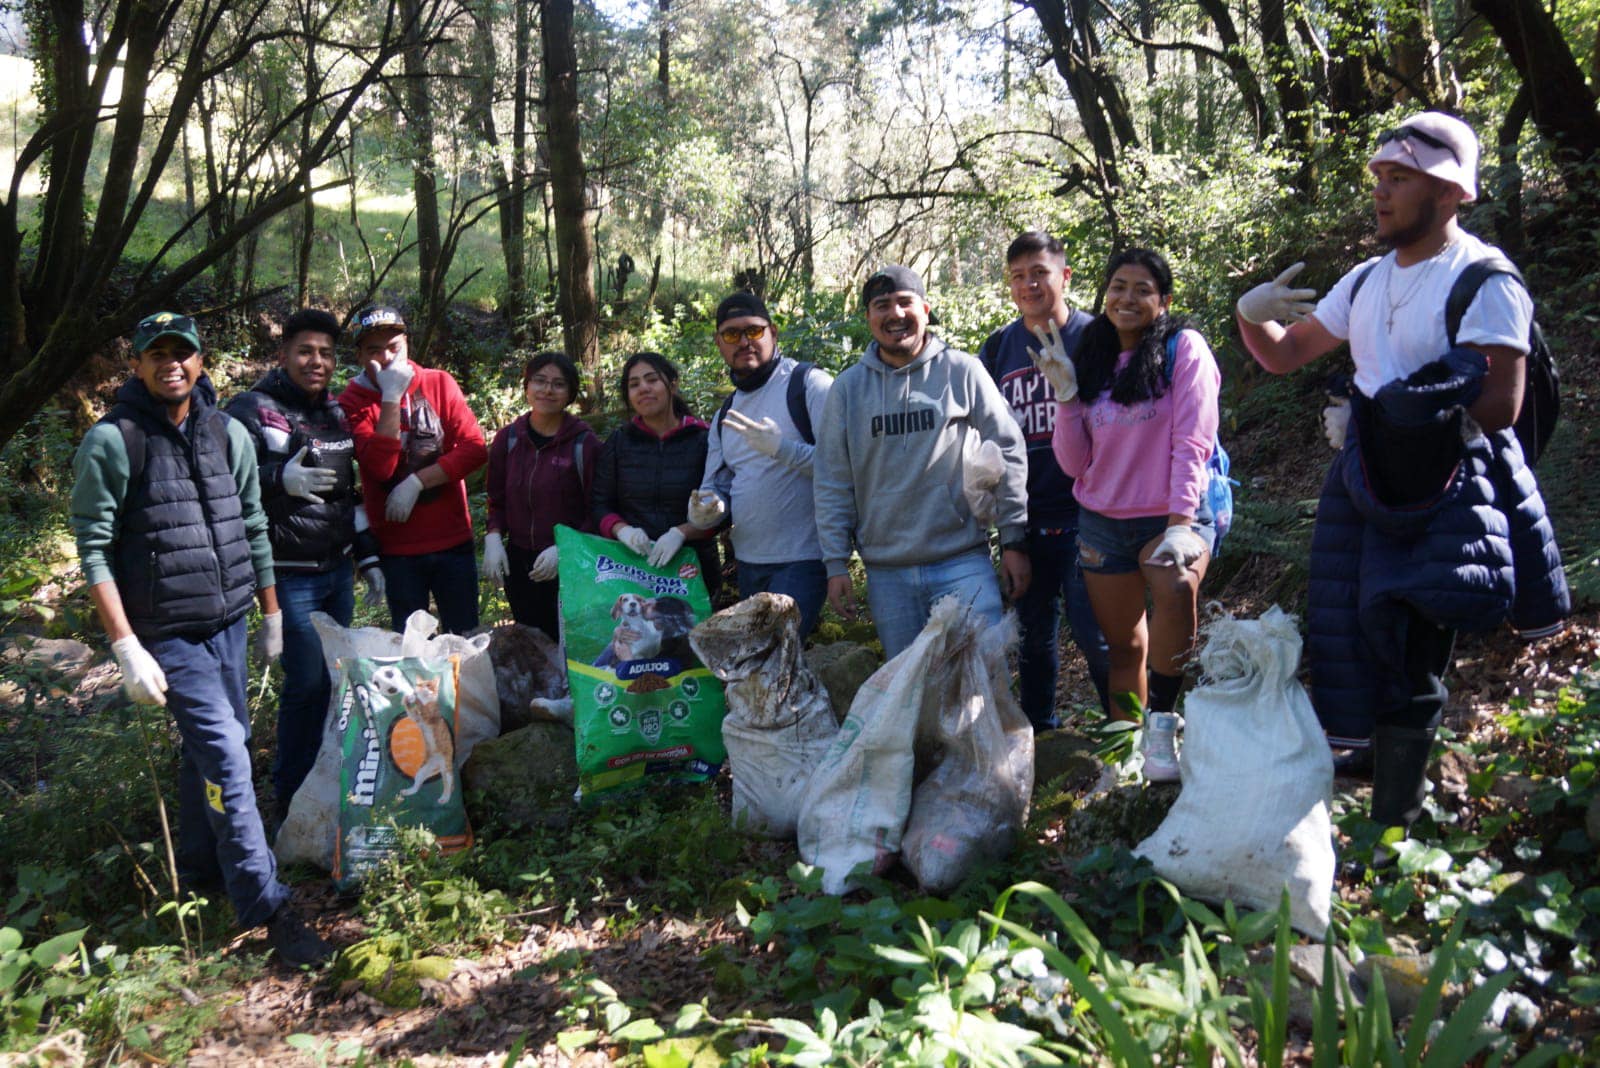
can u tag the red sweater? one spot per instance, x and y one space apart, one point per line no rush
440 523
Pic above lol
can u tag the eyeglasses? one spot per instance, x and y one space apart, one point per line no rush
1411 133
732 334
547 385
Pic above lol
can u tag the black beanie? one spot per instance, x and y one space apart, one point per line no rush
739 304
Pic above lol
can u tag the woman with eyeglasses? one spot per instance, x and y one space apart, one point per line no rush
540 471
1136 421
649 467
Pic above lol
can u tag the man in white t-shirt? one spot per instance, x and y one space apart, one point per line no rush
1392 312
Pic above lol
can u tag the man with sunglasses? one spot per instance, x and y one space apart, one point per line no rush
1380 701
758 461
166 509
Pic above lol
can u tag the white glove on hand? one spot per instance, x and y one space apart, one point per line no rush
1335 420
269 639
393 380
1275 300
706 509
300 480
142 678
666 548
376 585
402 499
1179 546
545 565
1053 362
495 564
633 538
764 437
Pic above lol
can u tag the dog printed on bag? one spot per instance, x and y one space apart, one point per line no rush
648 628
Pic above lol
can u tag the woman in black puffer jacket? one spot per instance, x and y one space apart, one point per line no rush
650 465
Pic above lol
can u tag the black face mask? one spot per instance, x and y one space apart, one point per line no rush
753 380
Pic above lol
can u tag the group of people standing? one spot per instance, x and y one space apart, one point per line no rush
1105 424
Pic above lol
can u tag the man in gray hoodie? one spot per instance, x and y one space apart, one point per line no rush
889 465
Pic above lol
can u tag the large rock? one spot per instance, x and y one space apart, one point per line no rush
1118 815
526 777
60 655
1065 756
842 667
1405 977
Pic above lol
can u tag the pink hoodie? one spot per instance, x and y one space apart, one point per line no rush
1149 458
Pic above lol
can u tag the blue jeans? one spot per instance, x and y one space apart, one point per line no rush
1056 577
804 580
303 704
450 575
1110 546
902 597
219 827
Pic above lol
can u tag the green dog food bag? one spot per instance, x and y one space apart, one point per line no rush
644 708
397 719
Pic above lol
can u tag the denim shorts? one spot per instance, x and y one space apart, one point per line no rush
1109 546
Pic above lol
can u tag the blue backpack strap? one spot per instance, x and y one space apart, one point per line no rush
1464 290
1361 280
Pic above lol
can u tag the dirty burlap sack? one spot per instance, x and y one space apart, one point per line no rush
942 707
779 721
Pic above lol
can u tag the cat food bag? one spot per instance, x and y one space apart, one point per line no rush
644 707
397 718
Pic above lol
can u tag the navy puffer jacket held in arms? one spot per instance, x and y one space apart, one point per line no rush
1479 551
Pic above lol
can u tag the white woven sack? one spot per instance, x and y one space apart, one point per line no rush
1253 817
856 806
309 831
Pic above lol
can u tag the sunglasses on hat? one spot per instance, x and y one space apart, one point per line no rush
1411 133
730 335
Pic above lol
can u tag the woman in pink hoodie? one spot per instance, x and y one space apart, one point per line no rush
1135 426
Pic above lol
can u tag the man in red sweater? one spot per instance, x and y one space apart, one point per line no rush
416 441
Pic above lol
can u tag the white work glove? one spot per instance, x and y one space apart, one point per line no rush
393 380
764 437
633 538
1053 362
706 509
544 565
402 499
1179 546
269 639
300 480
666 547
142 678
1335 420
376 585
495 564
1275 300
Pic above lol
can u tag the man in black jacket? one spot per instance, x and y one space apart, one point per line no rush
315 518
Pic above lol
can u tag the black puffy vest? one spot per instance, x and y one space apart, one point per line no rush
182 559
281 418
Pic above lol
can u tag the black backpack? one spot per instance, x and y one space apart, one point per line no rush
795 396
1541 398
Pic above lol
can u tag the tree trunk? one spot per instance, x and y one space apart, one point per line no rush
424 184
1244 76
1563 104
575 296
1512 235
1293 102
1076 70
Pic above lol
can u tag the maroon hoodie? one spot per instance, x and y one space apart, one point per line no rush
533 487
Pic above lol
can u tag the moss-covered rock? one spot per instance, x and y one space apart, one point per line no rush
375 964
842 666
525 777
1064 761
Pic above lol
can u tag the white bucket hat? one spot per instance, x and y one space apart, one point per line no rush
1436 144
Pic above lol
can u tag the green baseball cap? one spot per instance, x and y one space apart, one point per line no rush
153 328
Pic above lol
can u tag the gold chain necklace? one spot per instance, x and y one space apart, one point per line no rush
1416 283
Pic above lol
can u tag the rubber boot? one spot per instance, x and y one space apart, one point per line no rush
1400 773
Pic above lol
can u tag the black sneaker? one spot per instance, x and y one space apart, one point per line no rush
297 944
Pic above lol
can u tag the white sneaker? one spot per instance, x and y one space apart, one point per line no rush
1159 747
